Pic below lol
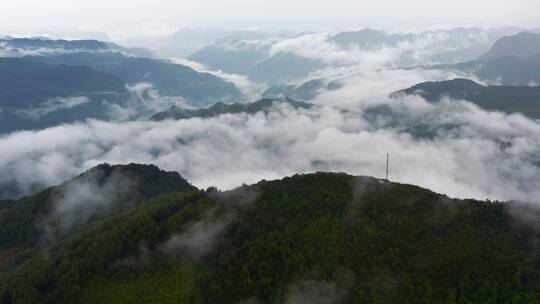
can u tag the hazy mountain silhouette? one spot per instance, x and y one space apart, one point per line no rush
169 78
521 45
220 108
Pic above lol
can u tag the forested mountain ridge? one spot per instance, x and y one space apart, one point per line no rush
45 218
331 237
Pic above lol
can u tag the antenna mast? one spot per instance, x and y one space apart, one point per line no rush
387 157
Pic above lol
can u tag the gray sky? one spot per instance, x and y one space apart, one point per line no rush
123 18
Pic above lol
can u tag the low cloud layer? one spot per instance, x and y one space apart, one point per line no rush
452 147
199 239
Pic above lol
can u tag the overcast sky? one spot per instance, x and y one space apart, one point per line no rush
159 17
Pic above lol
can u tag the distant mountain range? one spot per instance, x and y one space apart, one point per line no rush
36 46
256 64
369 39
168 78
315 238
233 61
303 92
48 82
521 45
507 99
253 57
512 60
34 95
186 41
220 108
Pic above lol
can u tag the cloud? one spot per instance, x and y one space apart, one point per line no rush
199 238
415 49
144 101
249 88
452 147
90 195
315 292
52 105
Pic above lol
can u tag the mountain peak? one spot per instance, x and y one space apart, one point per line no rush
97 192
520 45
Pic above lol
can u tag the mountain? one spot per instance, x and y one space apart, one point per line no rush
512 60
257 58
284 67
186 41
240 60
45 83
34 46
35 95
189 41
249 54
520 45
51 215
169 78
368 39
220 108
313 238
254 61
131 65
454 45
508 99
304 92
508 70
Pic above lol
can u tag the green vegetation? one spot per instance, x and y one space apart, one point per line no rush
20 220
176 285
375 241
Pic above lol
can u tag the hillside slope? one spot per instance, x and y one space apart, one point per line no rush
520 45
315 238
43 219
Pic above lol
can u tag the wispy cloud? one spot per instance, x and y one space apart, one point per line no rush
249 88
51 106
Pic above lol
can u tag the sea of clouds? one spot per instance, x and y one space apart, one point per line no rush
460 150
452 147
